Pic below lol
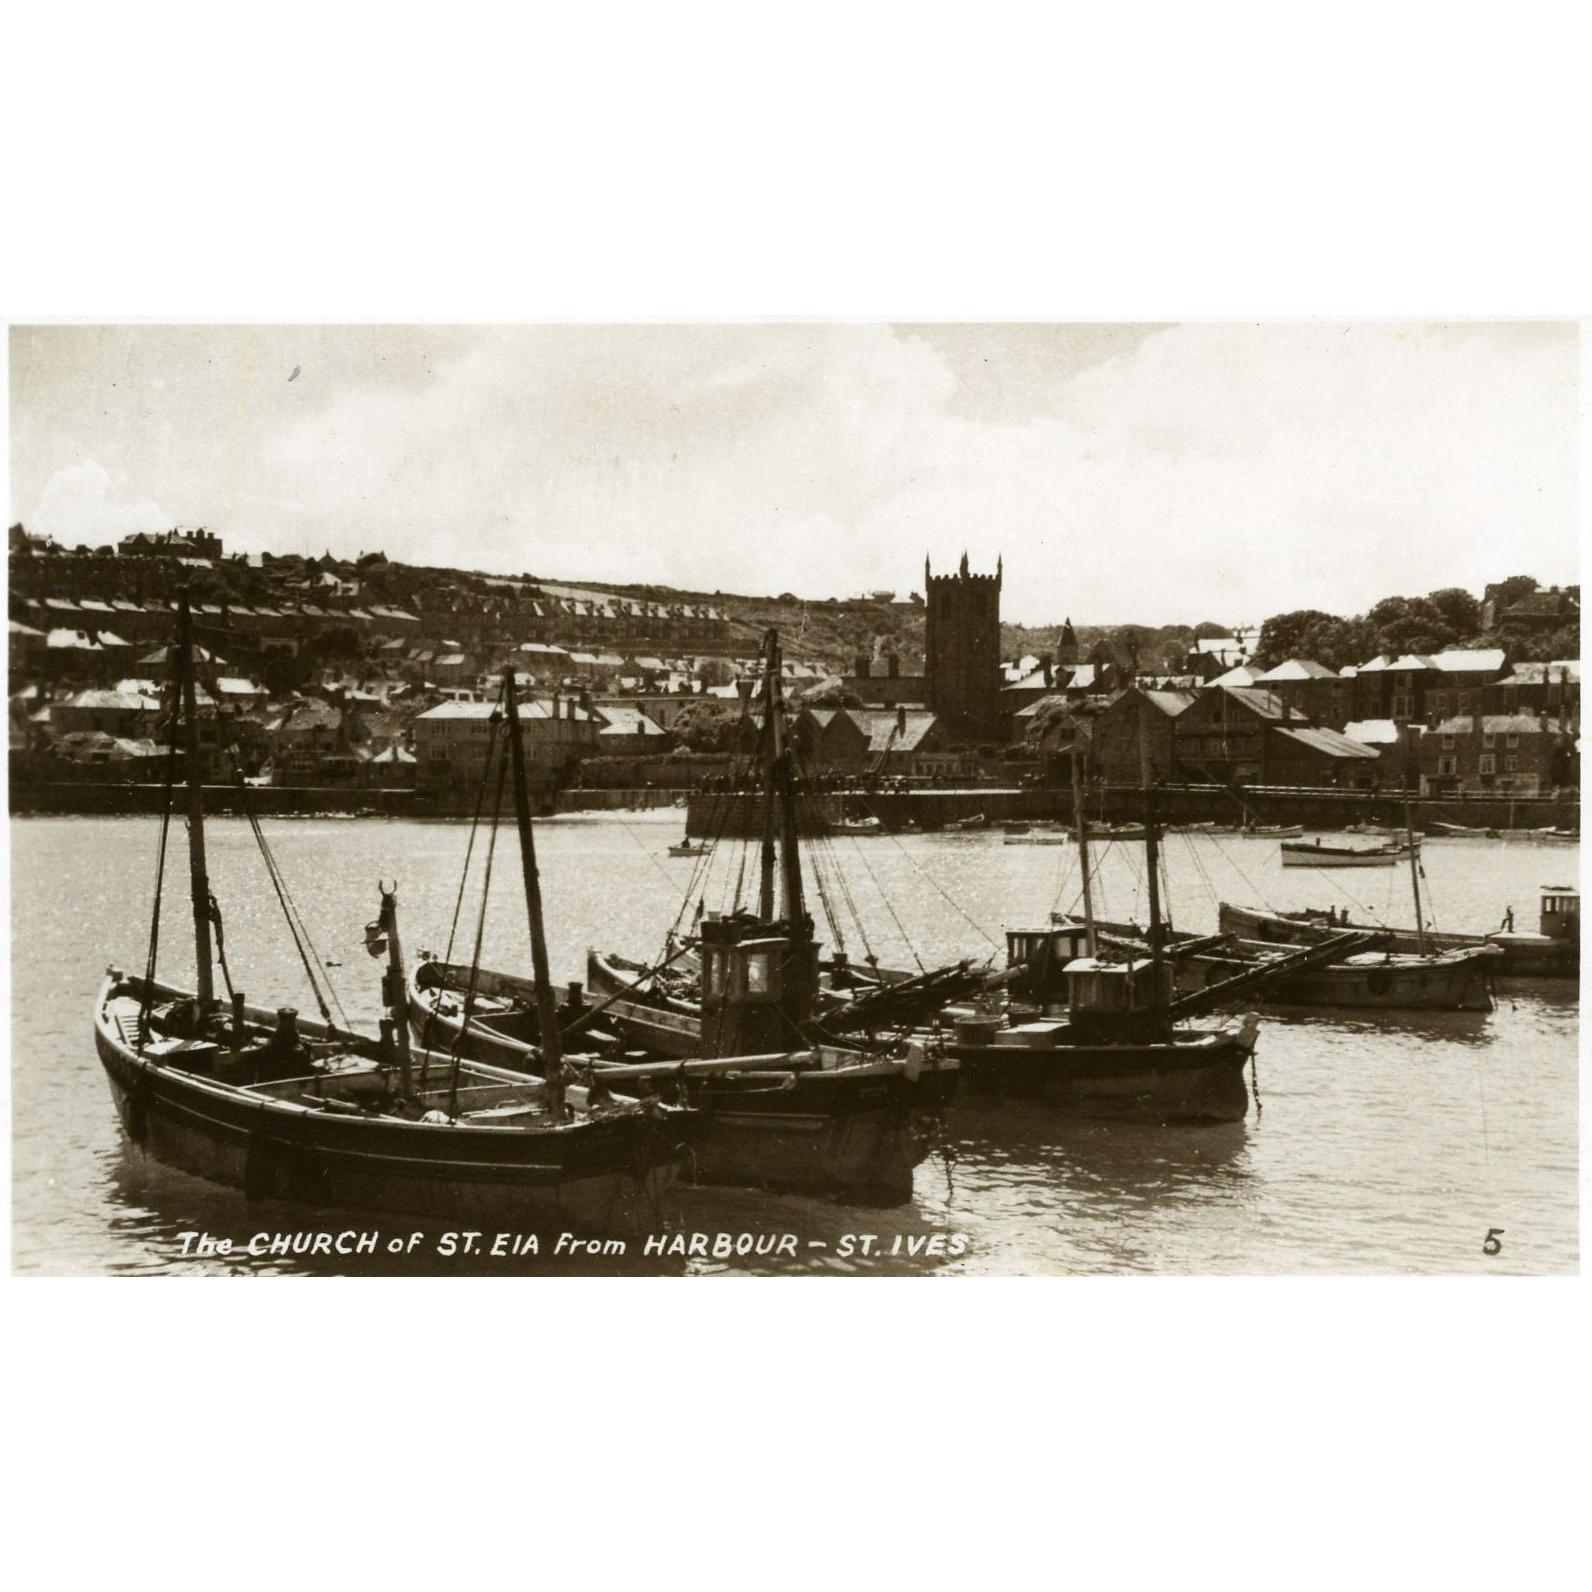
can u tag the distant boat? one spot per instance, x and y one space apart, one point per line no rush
1050 838
1317 855
857 826
688 848
977 821
1461 831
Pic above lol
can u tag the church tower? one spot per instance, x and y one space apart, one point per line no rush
962 648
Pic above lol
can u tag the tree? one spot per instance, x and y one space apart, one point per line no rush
1207 630
1338 643
1459 609
1282 635
1410 624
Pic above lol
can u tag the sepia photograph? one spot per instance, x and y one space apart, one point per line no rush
665 658
825 799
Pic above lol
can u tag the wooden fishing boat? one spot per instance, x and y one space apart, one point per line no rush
688 848
314 1112
773 1106
1100 1039
1316 854
1047 838
1554 951
1455 980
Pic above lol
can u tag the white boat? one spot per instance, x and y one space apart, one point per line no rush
1299 854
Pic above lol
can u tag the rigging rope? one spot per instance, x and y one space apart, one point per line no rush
480 934
475 821
160 880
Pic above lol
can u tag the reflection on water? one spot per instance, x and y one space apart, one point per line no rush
1386 1142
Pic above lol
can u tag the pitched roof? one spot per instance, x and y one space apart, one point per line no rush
1261 702
1243 674
1497 724
883 727
1543 673
1373 732
1328 741
1299 669
1466 659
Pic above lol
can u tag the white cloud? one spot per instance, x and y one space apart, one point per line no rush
1187 472
76 506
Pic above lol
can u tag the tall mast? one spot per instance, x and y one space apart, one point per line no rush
198 876
397 989
1415 879
1080 820
1152 845
546 1008
793 908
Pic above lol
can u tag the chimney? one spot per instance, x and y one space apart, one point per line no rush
1047 663
893 664
901 719
862 667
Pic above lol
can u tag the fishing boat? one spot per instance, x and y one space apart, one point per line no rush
1039 838
284 1108
1553 951
1453 980
1316 854
775 1104
1459 831
976 821
1108 1038
688 848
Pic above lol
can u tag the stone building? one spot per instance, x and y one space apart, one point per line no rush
1513 754
962 644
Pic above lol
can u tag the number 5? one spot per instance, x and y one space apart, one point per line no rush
1490 1245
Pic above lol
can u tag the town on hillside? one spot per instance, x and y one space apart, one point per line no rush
368 679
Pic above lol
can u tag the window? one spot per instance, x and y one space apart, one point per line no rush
1447 765
1488 763
757 973
1448 743
1511 763
1488 738
1512 739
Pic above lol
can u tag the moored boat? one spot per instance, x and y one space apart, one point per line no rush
1554 951
315 1112
1455 980
774 1104
1317 854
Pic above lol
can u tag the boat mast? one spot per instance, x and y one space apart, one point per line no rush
198 876
1152 844
792 904
546 1008
397 990
1415 879
765 741
1080 820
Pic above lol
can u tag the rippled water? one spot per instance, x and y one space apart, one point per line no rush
1384 1144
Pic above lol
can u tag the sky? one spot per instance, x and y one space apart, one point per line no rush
1166 473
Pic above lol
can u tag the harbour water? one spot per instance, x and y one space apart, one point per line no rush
1383 1143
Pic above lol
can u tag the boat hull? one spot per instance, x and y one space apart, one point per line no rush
1438 986
857 1130
602 1176
1199 1082
1524 955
